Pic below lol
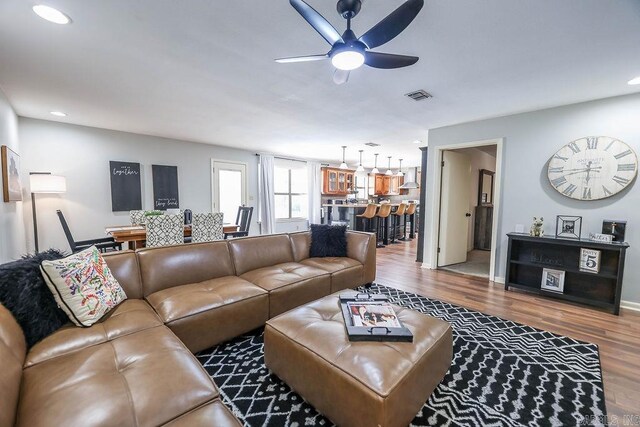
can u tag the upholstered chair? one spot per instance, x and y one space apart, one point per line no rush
164 230
137 217
206 227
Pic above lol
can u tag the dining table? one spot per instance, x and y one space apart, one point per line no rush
135 236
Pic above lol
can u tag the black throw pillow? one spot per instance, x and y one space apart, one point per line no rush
25 294
328 240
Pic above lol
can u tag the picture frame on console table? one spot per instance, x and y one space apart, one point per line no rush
590 260
568 227
552 280
616 228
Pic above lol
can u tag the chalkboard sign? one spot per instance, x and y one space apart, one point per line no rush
126 193
165 187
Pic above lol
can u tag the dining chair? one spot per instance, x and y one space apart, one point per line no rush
164 230
206 227
136 217
103 244
243 221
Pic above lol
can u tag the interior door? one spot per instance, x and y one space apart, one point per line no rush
229 188
454 208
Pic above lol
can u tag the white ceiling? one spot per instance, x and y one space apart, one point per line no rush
203 70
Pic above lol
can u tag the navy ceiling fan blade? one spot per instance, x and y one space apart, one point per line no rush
317 21
393 24
388 60
308 58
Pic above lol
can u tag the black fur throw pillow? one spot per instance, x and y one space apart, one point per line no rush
25 294
328 240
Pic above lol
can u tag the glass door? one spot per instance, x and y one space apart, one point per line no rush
229 188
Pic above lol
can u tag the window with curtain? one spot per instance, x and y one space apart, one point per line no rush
290 184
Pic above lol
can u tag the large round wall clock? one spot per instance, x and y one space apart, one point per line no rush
592 168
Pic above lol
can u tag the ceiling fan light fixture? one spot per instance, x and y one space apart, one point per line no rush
347 59
634 81
50 14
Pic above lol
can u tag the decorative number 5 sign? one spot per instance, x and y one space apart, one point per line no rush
590 260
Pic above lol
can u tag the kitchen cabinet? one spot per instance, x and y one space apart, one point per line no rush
337 182
386 185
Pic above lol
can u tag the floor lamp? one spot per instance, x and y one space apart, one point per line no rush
43 183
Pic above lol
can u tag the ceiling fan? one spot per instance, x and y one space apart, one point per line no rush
348 52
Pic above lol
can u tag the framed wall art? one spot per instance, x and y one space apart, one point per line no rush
552 280
568 227
590 260
615 228
11 187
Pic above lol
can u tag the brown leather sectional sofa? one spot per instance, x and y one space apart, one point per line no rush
136 367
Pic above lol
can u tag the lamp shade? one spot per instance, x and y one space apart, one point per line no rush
47 183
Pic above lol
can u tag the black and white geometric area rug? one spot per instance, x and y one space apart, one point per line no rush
502 374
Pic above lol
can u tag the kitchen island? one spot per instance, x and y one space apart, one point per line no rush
345 214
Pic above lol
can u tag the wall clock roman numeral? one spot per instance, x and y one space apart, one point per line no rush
624 167
557 169
559 157
621 155
571 188
607 193
592 143
574 147
586 193
559 181
609 146
620 180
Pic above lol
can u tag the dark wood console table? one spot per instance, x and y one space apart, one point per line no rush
528 256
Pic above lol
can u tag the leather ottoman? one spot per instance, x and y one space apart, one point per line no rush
357 383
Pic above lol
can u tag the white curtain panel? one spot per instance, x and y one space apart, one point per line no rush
266 191
315 186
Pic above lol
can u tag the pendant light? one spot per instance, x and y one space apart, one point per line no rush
389 171
343 165
360 167
375 165
400 169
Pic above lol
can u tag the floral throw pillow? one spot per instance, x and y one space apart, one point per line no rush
83 286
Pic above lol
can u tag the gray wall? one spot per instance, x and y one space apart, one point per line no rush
12 240
82 155
530 139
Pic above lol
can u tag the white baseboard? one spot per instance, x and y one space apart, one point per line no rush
426 265
630 305
497 279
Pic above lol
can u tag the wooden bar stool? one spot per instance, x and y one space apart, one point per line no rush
368 214
408 214
395 223
383 220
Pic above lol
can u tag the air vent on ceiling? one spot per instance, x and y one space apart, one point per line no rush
372 144
419 95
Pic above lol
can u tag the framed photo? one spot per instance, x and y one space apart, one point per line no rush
615 228
590 260
552 280
11 187
604 238
568 227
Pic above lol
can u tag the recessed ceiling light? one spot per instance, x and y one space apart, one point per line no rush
635 81
417 141
58 114
51 14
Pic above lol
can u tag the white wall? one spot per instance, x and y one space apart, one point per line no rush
530 139
12 239
82 155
